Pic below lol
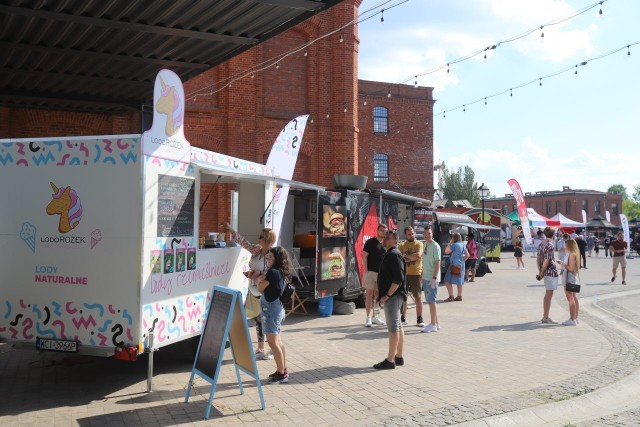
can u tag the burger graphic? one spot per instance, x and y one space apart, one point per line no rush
333 266
334 222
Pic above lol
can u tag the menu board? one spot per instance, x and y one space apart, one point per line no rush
176 201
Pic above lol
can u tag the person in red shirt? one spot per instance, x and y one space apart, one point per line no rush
618 249
470 263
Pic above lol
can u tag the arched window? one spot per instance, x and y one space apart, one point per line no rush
380 167
380 120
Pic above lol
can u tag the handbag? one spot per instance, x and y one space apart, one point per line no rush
456 270
572 287
252 306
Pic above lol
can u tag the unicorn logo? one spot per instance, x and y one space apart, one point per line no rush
169 104
66 203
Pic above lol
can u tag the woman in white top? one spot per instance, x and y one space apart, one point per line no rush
571 267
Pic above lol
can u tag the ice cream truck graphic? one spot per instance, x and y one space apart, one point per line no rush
99 234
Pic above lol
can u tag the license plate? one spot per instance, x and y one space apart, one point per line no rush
56 345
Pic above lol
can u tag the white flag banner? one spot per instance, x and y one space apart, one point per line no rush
584 216
608 215
625 230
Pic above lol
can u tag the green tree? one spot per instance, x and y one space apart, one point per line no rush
631 209
459 185
619 189
636 193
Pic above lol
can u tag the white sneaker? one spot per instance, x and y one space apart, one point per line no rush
438 326
570 322
368 322
548 321
378 321
522 268
430 328
263 355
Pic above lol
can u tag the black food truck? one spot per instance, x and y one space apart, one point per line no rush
329 230
444 224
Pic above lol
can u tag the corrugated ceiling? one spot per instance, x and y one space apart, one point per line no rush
103 55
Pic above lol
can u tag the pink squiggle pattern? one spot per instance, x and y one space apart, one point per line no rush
22 162
129 335
107 146
121 145
156 161
59 323
103 339
69 310
64 160
84 149
14 332
111 309
28 324
144 324
161 336
21 148
158 309
22 304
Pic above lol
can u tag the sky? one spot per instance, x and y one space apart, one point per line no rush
578 130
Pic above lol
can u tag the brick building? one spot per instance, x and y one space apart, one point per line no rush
343 136
568 202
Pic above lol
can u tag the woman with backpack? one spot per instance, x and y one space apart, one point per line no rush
272 285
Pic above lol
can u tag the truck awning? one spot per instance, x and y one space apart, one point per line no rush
400 196
476 225
212 175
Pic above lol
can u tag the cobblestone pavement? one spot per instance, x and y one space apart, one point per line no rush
491 357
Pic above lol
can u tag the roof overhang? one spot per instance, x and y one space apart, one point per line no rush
103 56
401 196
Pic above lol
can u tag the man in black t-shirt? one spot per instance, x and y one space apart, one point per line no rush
372 254
393 288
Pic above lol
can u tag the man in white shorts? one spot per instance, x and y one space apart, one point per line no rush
547 271
372 254
618 249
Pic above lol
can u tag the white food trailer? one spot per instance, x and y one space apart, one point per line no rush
99 235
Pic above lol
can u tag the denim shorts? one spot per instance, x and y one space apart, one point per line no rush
272 316
550 283
431 293
392 309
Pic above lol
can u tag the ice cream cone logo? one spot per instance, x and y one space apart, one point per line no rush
66 203
28 235
96 236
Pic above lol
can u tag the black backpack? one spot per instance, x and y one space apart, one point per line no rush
287 292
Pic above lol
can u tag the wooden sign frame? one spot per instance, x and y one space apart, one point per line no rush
226 319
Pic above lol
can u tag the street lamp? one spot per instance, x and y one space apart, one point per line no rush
483 192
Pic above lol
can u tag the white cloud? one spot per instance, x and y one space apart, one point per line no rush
538 168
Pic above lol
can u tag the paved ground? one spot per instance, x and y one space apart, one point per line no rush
492 363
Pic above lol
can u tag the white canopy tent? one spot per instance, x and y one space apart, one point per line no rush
566 222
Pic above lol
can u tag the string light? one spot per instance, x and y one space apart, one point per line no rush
415 84
365 102
389 95
539 79
341 38
542 32
600 11
327 114
345 109
628 51
270 62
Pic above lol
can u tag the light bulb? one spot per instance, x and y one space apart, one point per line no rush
365 102
327 115
389 95
277 65
305 52
341 38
